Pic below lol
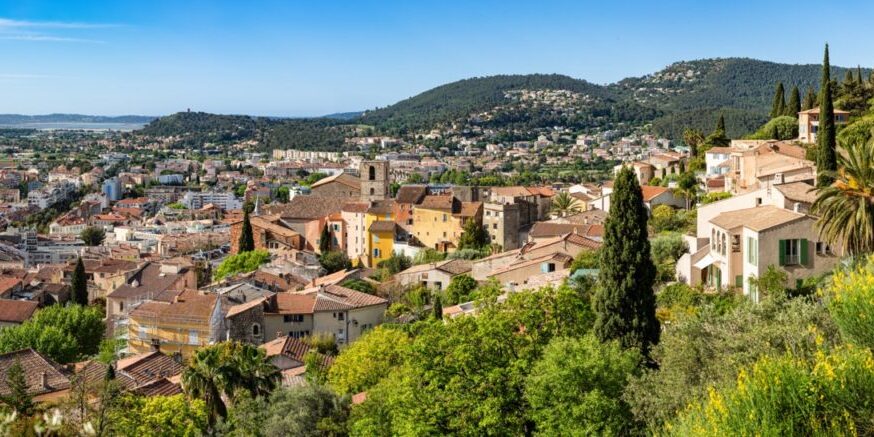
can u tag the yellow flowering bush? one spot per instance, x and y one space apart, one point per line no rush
833 395
850 300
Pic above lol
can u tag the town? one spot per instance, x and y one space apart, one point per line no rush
681 253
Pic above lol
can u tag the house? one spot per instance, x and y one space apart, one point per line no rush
439 220
15 312
743 243
331 309
808 123
755 164
519 273
407 198
150 373
714 158
269 232
548 230
654 196
353 215
181 325
643 170
151 282
46 380
307 216
286 352
338 185
568 244
433 275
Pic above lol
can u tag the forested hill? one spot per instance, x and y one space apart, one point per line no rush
682 95
197 128
692 93
455 100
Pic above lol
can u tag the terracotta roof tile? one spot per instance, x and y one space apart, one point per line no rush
16 311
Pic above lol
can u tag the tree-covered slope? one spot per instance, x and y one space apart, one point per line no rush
449 102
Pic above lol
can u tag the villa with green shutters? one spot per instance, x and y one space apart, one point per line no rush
737 240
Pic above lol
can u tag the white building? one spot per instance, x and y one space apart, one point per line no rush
197 200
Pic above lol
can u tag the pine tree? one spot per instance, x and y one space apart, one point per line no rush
18 398
624 302
794 105
809 99
325 240
827 161
438 307
247 238
778 106
79 283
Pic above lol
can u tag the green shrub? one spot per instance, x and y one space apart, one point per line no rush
241 263
850 300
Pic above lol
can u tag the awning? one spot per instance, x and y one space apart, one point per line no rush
704 262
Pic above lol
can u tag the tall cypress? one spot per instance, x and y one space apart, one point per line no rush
794 105
325 240
778 106
809 99
79 283
247 238
720 124
859 74
827 160
438 307
625 302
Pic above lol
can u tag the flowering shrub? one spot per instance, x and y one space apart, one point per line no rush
850 299
834 395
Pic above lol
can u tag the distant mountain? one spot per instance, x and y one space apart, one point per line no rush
344 115
16 119
693 93
682 95
452 101
198 128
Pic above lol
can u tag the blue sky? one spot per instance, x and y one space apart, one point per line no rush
297 58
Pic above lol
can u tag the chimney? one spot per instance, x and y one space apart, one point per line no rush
44 379
156 345
796 207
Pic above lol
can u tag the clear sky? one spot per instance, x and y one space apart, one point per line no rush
296 58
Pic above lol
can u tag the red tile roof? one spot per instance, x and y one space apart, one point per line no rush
16 311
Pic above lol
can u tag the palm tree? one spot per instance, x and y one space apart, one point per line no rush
846 207
563 204
205 378
220 372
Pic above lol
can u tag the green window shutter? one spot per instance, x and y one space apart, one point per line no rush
798 284
739 281
719 279
782 252
803 252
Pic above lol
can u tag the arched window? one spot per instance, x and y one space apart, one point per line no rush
372 173
723 245
256 329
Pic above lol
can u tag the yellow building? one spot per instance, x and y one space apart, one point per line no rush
439 220
180 326
381 229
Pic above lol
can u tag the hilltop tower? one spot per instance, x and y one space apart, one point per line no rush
374 180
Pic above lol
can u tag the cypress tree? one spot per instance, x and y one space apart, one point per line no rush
809 99
79 283
720 123
859 74
325 240
438 307
778 106
624 302
827 161
18 398
247 238
794 105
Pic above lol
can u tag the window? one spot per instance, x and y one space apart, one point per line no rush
822 248
256 330
371 175
341 316
336 227
790 252
372 191
192 337
752 251
722 245
143 333
376 253
292 318
494 226
445 217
